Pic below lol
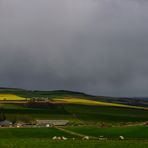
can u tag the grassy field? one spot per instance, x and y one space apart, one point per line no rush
21 133
40 143
96 114
12 112
140 132
42 137
78 113
137 132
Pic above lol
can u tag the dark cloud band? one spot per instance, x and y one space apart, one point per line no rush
99 47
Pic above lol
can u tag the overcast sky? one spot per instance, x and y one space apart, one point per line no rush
95 46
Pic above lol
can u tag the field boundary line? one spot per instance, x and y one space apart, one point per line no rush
74 133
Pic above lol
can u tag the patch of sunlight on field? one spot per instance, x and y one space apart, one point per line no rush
10 97
92 102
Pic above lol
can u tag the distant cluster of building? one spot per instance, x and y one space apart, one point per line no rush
38 123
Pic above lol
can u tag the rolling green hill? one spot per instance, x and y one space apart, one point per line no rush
75 113
71 94
74 106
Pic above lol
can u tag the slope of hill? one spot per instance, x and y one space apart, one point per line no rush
74 106
7 97
71 94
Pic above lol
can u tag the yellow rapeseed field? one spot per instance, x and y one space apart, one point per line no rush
10 97
92 102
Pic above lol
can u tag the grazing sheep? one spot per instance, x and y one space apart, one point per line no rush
59 138
121 137
47 125
86 138
64 138
54 138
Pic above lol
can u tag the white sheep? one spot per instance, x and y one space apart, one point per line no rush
121 137
59 138
86 138
64 138
54 138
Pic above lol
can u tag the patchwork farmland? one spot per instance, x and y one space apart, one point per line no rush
86 116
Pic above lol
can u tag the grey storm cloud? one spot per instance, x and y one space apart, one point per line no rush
96 46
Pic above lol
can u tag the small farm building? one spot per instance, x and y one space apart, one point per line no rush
5 123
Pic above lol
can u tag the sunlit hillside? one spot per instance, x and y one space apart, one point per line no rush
92 102
11 97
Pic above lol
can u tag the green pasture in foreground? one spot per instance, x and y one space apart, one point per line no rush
114 132
40 143
42 137
10 133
